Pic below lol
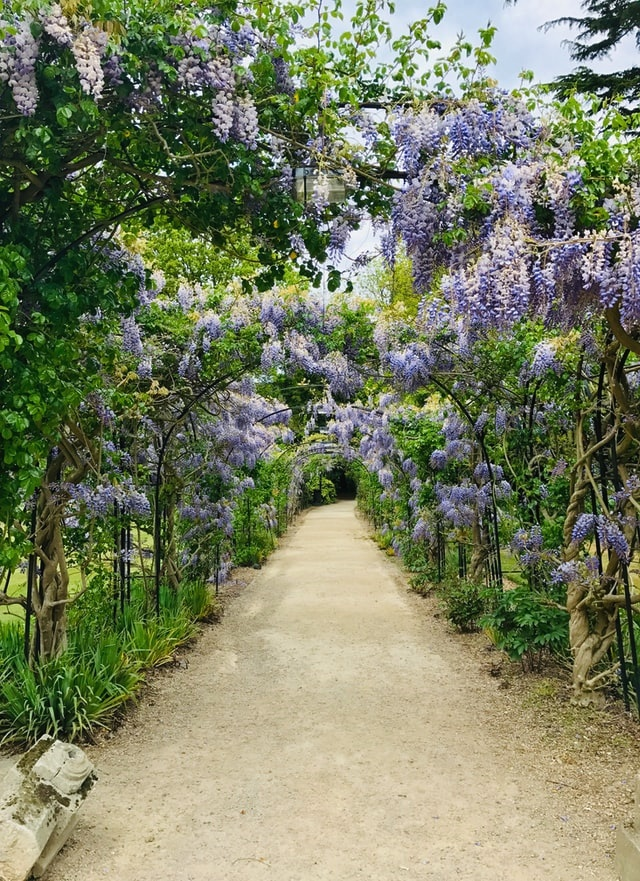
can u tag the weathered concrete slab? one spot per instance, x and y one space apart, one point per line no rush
40 797
628 845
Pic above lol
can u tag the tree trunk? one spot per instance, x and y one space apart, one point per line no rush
592 631
52 593
479 554
170 569
51 596
592 620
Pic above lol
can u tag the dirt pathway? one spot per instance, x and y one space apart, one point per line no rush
324 731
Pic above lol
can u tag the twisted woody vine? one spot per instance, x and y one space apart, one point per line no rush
185 349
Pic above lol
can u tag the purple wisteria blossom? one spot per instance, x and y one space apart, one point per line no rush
422 531
88 49
544 359
98 500
612 537
584 528
410 367
438 460
527 545
131 339
343 379
18 55
56 25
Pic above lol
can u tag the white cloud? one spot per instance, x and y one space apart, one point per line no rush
519 44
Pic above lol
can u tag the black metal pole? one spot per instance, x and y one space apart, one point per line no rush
31 578
632 636
124 554
624 678
462 560
617 484
157 543
115 568
129 546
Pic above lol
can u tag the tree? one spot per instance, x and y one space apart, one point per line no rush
604 26
101 123
532 220
117 115
114 112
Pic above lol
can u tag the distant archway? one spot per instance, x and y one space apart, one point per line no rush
338 469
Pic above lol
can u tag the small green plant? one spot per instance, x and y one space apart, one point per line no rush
81 691
415 554
383 538
148 644
11 646
249 555
200 603
93 606
150 640
526 625
69 697
422 582
464 604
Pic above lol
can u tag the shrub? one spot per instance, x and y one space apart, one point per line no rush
72 696
415 554
464 603
92 607
249 555
526 625
150 640
383 539
422 582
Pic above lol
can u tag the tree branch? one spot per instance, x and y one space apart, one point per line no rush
614 320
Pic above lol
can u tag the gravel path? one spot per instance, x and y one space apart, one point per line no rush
327 729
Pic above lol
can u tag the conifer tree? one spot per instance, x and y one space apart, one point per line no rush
605 24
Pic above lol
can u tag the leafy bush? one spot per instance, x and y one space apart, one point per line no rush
91 608
526 625
383 538
150 640
415 554
422 582
249 555
464 603
149 643
255 523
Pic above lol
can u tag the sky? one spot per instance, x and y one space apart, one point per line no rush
518 44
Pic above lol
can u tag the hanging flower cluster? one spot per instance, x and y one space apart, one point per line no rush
502 238
210 57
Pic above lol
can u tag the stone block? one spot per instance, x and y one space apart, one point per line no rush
40 797
628 845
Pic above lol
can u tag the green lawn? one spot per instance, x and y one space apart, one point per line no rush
18 585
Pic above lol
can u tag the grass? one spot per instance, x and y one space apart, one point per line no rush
85 689
544 691
18 584
70 697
